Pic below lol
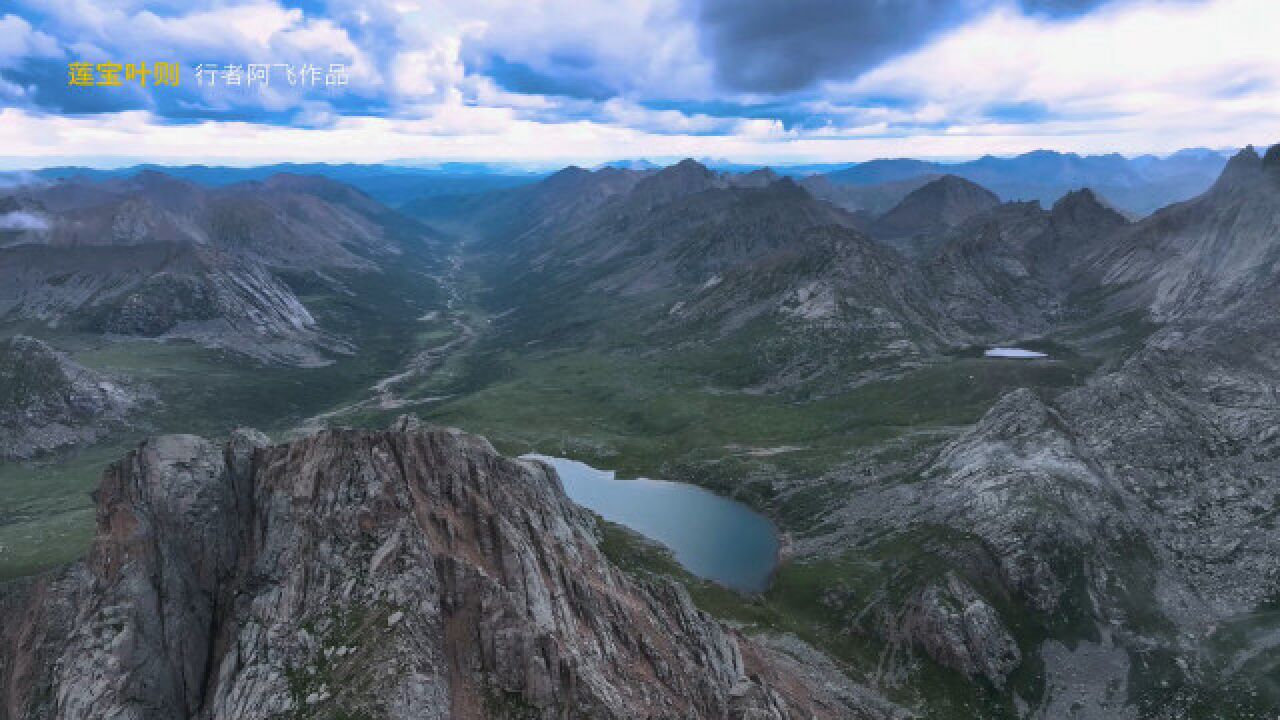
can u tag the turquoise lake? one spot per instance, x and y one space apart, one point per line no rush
713 537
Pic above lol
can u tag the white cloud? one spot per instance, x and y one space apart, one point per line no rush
19 40
1177 73
20 220
433 72
463 132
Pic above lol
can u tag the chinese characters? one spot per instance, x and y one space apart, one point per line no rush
261 75
114 74
208 75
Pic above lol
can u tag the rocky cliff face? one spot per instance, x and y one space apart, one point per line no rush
399 574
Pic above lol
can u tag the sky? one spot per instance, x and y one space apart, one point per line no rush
556 81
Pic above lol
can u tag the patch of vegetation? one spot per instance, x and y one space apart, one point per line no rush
335 679
655 416
46 514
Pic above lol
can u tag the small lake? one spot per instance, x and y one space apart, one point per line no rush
1013 352
713 537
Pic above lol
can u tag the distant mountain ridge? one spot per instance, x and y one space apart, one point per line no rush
390 184
1139 184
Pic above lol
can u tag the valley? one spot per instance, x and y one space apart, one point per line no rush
1022 459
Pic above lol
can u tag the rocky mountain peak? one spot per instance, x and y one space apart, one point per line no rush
1272 158
935 207
684 178
950 198
760 177
954 185
787 187
689 165
571 173
1084 208
686 172
1242 168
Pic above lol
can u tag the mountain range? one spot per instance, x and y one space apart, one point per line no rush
1139 185
1085 532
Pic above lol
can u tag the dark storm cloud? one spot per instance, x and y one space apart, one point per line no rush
775 46
780 46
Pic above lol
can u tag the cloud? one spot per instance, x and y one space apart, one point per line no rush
638 49
20 220
772 79
18 40
1154 66
773 46
1060 8
258 31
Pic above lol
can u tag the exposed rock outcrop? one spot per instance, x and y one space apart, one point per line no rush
47 401
399 574
958 629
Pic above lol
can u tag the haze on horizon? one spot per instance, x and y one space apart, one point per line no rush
559 82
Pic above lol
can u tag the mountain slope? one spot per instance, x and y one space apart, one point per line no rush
401 574
1011 271
1129 519
688 263
155 256
504 215
1201 257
